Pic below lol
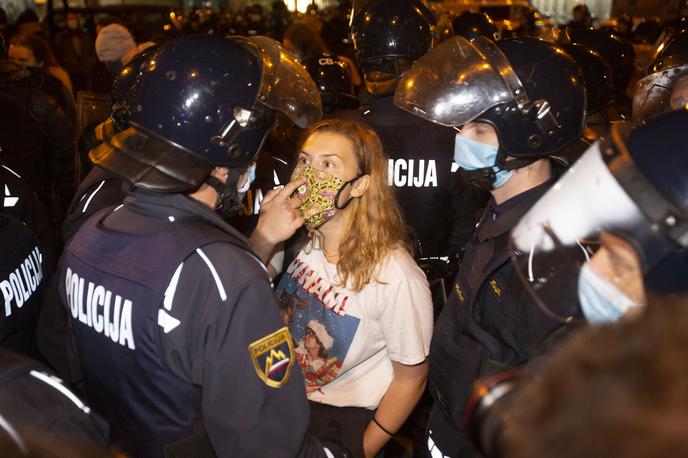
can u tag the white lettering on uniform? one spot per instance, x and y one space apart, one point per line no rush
93 309
416 173
22 282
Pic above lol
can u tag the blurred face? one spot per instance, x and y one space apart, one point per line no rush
310 342
21 55
480 132
72 21
618 262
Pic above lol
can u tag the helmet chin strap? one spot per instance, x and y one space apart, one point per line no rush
484 178
229 200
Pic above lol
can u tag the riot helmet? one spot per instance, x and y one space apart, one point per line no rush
665 88
388 35
616 51
332 77
473 25
529 90
597 75
613 227
203 101
647 31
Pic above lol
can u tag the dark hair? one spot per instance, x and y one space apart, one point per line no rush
305 39
38 46
26 16
614 390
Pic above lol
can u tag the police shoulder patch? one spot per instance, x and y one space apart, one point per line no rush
273 357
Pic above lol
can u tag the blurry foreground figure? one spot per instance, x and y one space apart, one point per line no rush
610 391
614 228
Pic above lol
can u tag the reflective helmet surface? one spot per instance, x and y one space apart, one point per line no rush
632 185
332 77
529 90
389 29
473 25
189 89
614 50
205 99
599 82
124 82
665 87
127 75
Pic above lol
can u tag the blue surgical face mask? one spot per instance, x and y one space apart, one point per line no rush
601 301
470 155
251 171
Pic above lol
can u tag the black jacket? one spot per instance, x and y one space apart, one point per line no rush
490 323
439 208
36 139
223 304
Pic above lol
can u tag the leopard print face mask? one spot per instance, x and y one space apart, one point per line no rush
319 195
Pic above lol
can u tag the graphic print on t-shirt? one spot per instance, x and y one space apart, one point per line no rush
316 316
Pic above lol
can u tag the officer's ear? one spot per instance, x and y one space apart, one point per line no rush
360 186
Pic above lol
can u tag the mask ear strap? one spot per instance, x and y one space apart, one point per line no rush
336 197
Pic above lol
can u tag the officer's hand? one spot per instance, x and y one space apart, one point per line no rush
279 218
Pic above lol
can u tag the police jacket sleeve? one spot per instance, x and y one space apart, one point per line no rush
230 341
60 137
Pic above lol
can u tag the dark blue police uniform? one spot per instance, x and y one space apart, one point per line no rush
179 335
22 280
488 325
98 190
26 262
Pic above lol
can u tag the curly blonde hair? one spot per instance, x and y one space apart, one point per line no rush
375 225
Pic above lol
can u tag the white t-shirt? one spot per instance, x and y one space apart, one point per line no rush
346 341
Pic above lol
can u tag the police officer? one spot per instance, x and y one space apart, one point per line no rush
600 97
611 233
27 262
473 25
178 333
616 52
332 76
39 412
23 271
628 195
388 37
519 102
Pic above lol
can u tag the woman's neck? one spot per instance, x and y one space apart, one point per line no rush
331 235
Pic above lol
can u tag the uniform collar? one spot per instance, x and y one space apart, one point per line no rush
500 219
170 207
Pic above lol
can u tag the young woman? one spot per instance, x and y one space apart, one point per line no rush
359 309
34 51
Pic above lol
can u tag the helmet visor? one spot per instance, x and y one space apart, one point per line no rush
661 92
455 82
562 231
286 85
